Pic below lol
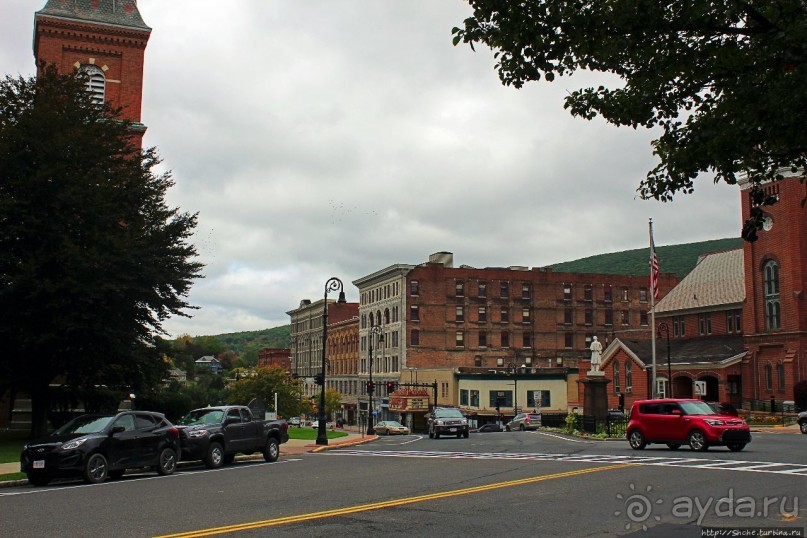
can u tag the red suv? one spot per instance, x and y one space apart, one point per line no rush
677 422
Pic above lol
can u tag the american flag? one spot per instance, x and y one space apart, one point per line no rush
653 267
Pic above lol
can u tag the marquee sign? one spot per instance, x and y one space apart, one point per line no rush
409 401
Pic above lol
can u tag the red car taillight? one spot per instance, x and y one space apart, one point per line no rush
174 433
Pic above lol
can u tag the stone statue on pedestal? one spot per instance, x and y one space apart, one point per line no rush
596 355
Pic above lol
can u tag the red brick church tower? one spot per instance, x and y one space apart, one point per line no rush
775 312
106 39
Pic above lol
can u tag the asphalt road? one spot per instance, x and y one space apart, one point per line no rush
494 484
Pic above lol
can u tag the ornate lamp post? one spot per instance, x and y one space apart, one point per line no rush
374 331
332 284
666 328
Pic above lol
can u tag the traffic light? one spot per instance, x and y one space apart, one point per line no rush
370 387
319 379
390 387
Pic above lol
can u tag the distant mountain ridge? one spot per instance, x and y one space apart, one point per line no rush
677 259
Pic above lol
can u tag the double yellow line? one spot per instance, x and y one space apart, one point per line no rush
385 504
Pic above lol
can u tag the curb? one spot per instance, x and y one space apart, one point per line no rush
361 441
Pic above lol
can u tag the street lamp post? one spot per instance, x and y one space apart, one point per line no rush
666 328
374 331
332 284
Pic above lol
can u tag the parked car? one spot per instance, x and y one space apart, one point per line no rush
447 421
98 446
294 421
389 427
524 421
489 427
803 422
724 408
675 422
216 434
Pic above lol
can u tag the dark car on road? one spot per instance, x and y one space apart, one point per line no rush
676 422
99 446
216 434
447 421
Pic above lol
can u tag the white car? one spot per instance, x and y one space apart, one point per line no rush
803 422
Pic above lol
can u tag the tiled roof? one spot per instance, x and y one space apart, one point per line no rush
116 12
709 350
718 279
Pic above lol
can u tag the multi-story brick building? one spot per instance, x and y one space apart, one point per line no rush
343 365
106 39
268 357
306 337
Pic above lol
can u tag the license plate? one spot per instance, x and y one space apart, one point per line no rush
453 429
39 464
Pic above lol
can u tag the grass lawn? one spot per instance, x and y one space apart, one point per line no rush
309 434
11 446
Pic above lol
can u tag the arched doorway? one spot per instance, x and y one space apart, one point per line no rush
682 386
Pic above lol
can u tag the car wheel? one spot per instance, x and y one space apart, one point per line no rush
215 456
466 434
522 427
459 435
636 440
507 428
803 426
272 450
431 434
39 479
436 435
736 447
673 446
697 441
168 461
116 474
229 458
95 469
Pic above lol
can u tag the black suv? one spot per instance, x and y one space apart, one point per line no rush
448 421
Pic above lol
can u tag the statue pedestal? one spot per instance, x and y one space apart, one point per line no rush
595 397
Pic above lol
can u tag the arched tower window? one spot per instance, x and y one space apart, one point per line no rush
770 275
96 83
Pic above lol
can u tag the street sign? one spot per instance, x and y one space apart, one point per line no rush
700 388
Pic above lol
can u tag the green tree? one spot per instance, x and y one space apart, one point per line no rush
333 402
723 80
92 260
263 384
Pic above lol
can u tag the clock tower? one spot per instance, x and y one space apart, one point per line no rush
104 38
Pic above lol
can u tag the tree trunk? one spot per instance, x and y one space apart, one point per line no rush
40 404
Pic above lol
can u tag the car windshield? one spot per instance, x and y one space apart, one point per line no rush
202 416
696 408
394 424
448 413
85 424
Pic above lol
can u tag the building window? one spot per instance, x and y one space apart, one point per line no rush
629 376
501 398
617 385
538 398
705 324
771 291
526 340
678 326
643 318
414 337
505 315
525 315
474 398
780 375
589 317
483 289
96 83
609 317
733 321
444 390
478 360
414 287
643 295
464 397
483 314
567 340
459 288
505 339
768 377
414 313
504 290
587 292
567 316
625 295
567 292
460 313
459 339
661 387
607 293
525 291
625 317
483 339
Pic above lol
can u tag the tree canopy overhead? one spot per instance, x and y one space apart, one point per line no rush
724 79
92 260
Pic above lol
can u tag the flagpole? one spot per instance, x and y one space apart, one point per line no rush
653 390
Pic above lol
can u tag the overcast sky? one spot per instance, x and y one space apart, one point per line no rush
324 138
